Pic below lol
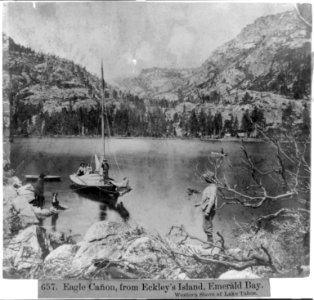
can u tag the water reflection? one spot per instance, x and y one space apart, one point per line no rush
54 219
119 208
96 195
122 211
106 202
102 211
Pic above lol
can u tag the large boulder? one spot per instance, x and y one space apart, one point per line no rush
171 273
58 238
27 191
105 230
18 213
28 249
237 253
142 250
43 213
9 192
103 241
116 250
14 181
59 262
234 274
25 211
90 252
11 220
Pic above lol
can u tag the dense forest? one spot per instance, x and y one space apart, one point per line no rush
133 118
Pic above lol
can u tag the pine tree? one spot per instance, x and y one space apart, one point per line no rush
193 124
235 126
227 126
246 98
246 124
161 124
175 117
287 115
202 122
236 98
218 123
306 126
209 124
180 96
257 116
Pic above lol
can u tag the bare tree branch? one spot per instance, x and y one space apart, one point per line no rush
187 235
237 265
286 212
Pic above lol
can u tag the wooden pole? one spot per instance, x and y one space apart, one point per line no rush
102 111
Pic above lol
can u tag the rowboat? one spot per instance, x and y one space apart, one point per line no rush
46 178
218 154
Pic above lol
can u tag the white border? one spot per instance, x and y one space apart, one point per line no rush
280 288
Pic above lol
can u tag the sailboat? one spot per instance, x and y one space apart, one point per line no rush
95 180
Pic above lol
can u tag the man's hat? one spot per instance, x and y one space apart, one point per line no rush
42 175
209 176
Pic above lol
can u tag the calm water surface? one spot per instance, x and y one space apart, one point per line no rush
160 171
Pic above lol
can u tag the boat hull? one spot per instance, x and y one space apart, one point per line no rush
93 182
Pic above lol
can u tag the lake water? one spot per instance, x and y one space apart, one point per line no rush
160 172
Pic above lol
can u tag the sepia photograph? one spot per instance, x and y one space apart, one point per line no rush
161 140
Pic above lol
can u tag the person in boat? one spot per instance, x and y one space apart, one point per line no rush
55 202
81 170
208 204
39 191
89 169
105 170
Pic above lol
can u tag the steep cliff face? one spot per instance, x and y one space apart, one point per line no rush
42 90
158 83
272 54
45 81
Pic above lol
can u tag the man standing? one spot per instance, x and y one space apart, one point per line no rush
209 204
39 191
105 169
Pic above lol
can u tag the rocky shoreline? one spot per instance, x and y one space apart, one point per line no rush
108 250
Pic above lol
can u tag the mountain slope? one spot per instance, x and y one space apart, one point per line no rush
49 95
266 67
45 90
45 80
272 54
156 83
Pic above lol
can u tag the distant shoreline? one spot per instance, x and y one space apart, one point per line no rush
233 139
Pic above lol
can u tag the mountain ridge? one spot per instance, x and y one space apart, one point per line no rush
252 60
252 72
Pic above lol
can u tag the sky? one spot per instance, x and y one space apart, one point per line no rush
129 37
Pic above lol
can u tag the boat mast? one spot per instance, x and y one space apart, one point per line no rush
102 110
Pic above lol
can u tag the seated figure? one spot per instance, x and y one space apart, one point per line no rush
81 170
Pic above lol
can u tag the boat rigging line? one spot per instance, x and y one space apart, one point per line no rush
109 135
